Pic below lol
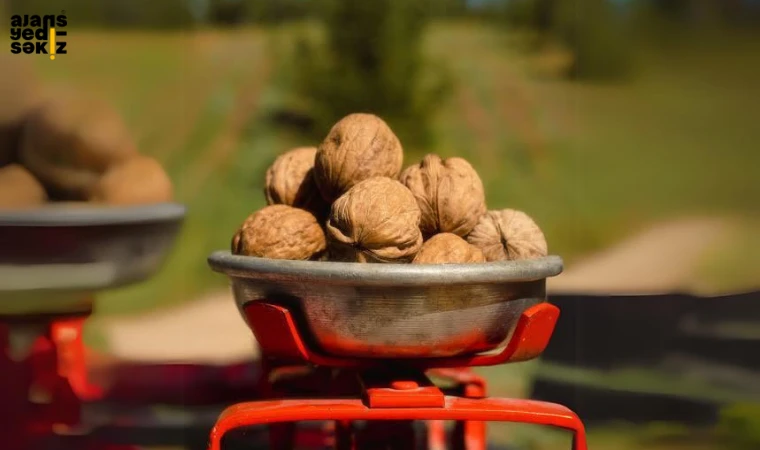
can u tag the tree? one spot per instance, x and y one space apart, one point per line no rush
599 36
227 12
371 61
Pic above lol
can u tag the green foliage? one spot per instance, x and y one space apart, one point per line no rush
536 14
521 13
371 61
276 11
142 14
150 14
739 427
448 8
596 32
86 12
598 35
226 12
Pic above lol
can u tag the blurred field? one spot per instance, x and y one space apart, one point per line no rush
591 162
514 380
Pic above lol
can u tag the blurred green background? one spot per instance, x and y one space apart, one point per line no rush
597 117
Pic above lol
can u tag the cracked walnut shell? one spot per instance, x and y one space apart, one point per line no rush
448 248
358 147
449 193
280 232
508 234
290 181
377 220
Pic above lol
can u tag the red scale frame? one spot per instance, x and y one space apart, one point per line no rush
392 394
338 391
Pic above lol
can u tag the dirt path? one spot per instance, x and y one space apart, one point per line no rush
662 258
208 330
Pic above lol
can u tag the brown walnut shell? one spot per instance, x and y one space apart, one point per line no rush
290 181
19 188
68 143
138 181
449 193
358 147
21 91
10 136
280 232
448 248
508 234
377 220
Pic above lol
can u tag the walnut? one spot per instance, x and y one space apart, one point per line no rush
290 181
68 143
508 234
448 248
21 92
358 147
377 220
10 134
280 232
19 188
449 193
139 180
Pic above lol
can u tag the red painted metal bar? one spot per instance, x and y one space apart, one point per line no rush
457 409
35 398
436 438
468 435
72 363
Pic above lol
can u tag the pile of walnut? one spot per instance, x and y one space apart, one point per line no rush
348 200
74 150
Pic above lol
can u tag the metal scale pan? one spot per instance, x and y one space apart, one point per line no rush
55 258
391 311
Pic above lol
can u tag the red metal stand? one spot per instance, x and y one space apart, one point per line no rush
392 394
458 409
44 381
45 388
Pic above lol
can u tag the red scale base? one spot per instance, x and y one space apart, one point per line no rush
44 382
390 395
363 404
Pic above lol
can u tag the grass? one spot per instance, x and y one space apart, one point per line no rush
616 156
733 266
513 381
590 162
160 82
640 380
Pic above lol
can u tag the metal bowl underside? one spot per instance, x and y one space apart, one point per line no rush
394 310
53 259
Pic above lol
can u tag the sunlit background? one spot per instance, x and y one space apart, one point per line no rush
602 119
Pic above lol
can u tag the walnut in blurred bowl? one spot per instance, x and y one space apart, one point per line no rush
139 180
69 142
19 188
